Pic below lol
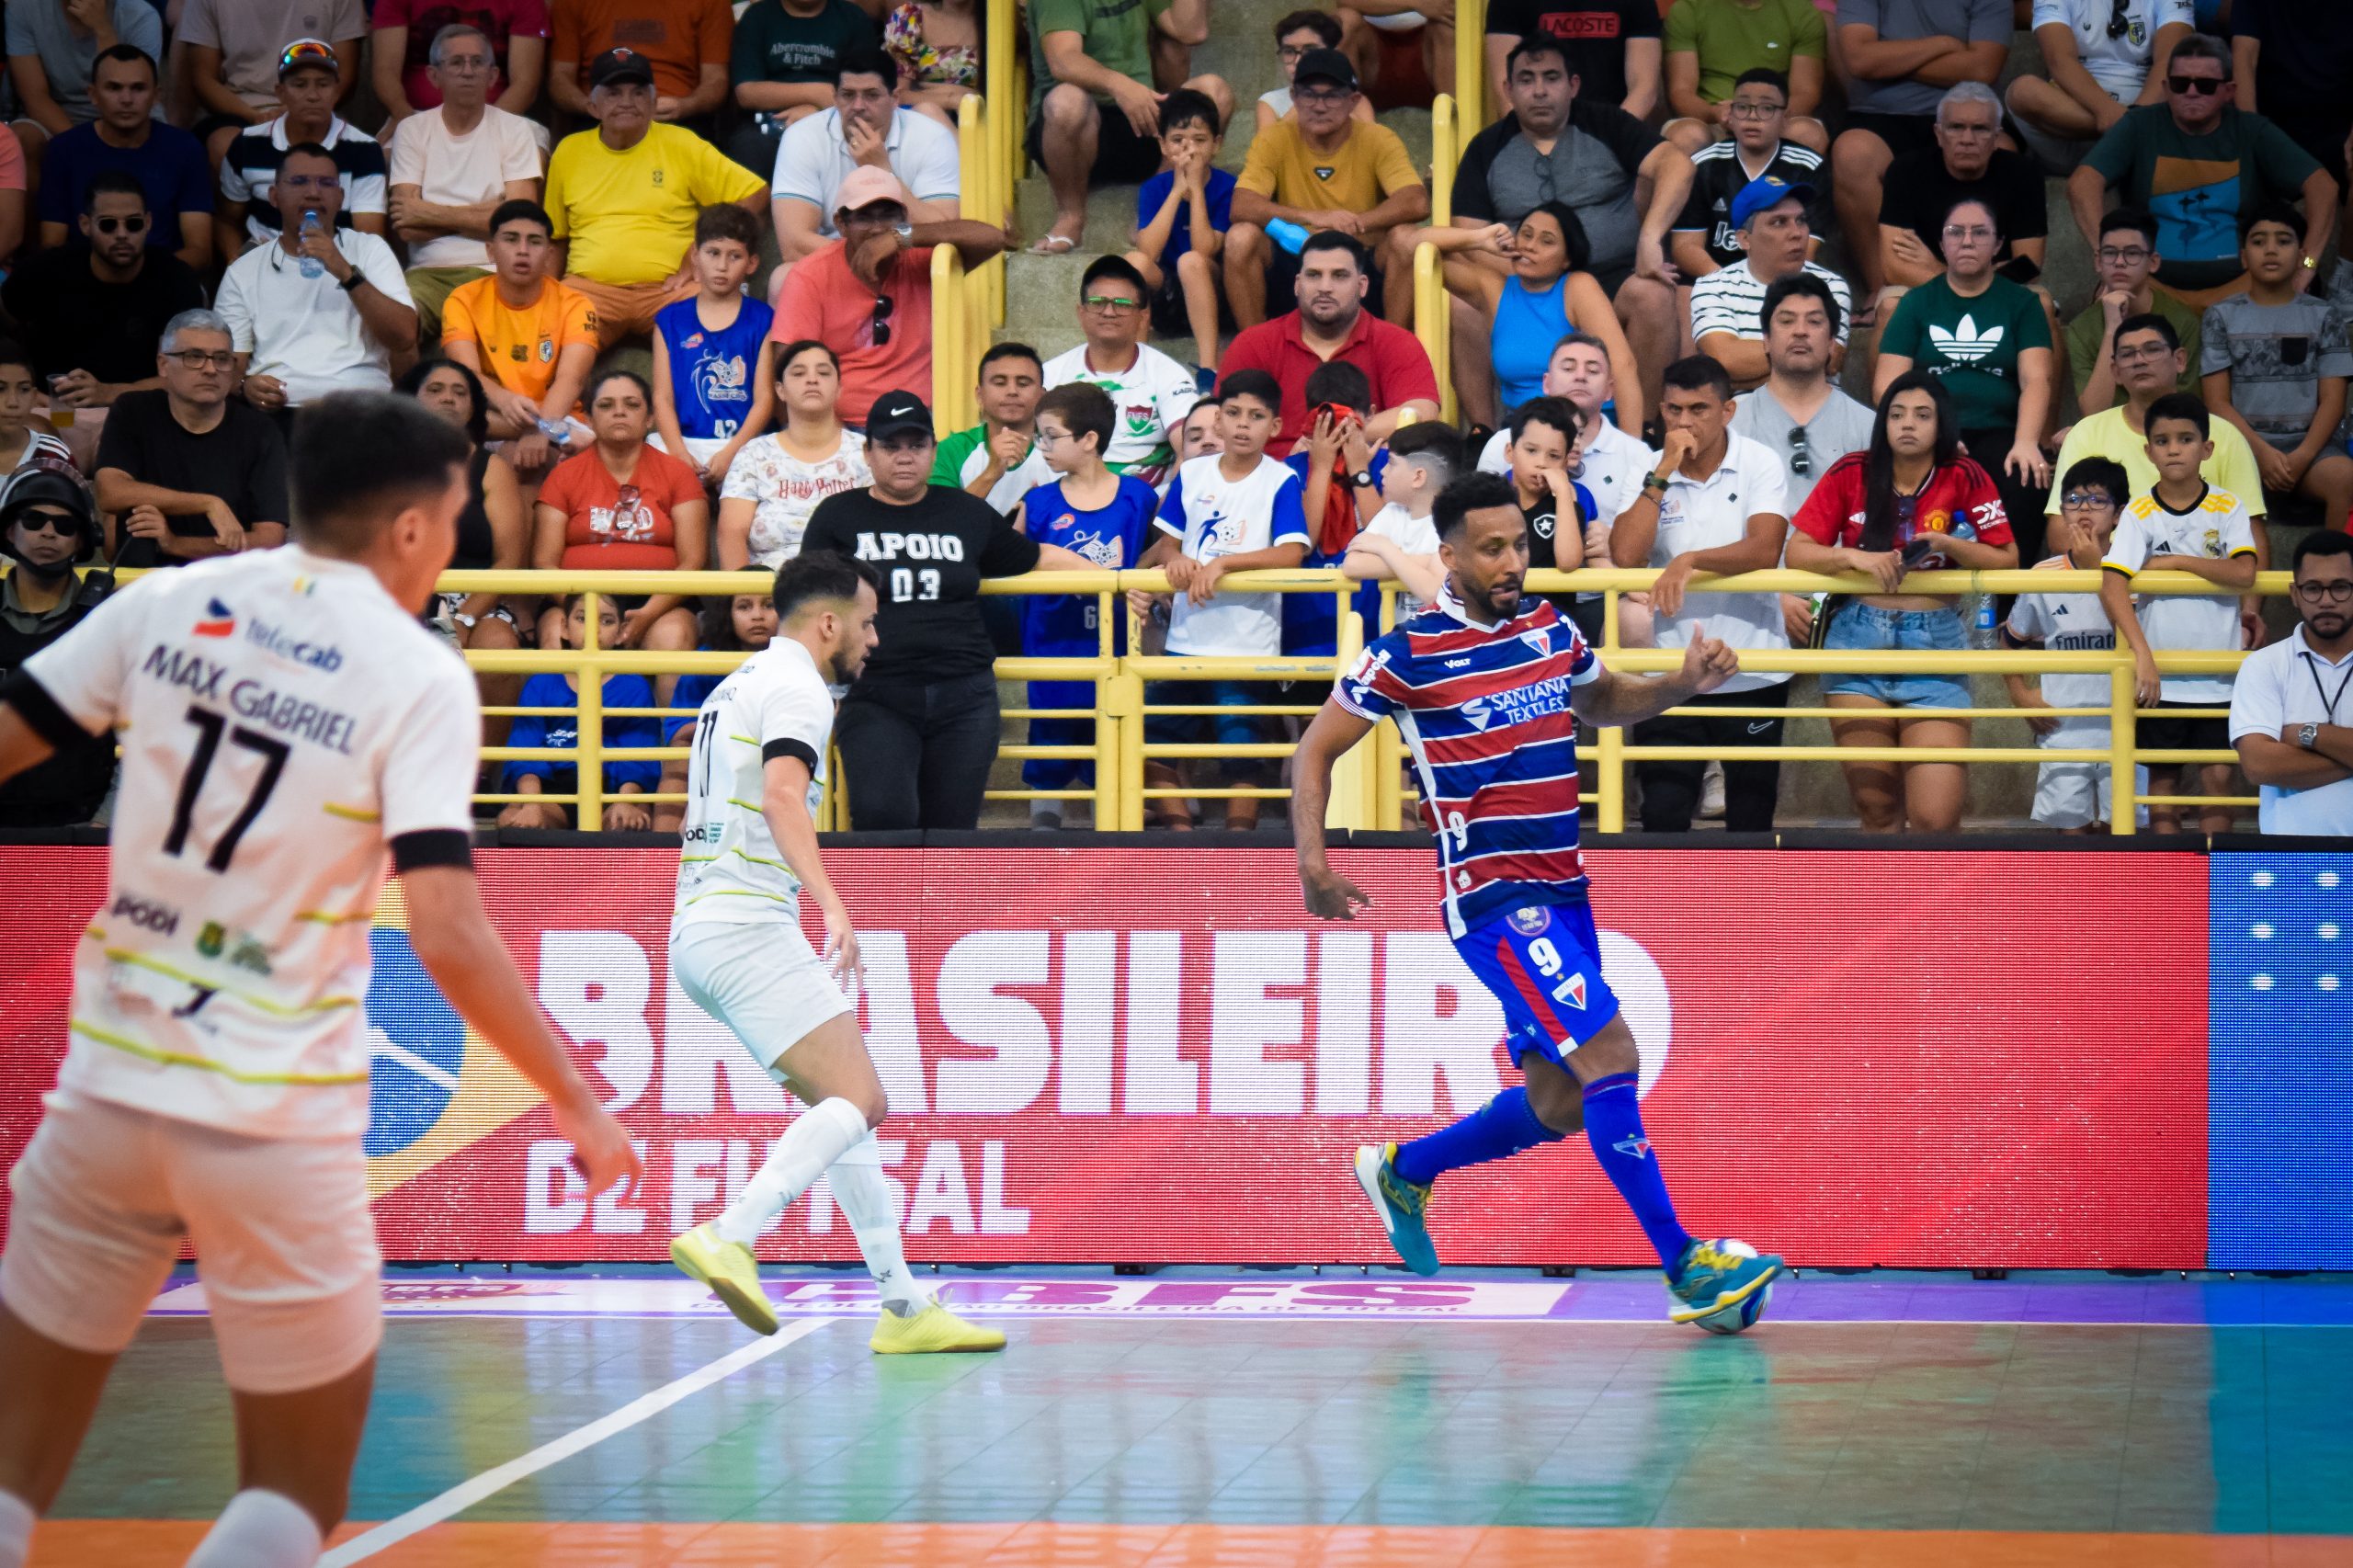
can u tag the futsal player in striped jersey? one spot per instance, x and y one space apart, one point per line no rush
1485 688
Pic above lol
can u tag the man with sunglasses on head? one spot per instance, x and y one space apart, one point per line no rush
47 526
2199 164
869 293
1799 412
1150 392
2102 57
186 471
91 314
2291 708
307 86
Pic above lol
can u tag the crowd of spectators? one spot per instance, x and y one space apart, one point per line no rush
1690 227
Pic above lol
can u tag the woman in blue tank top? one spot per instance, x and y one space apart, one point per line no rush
1548 295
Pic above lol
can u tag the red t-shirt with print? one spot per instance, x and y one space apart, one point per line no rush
615 527
1959 491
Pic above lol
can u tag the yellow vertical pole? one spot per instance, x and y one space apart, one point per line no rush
1106 805
591 701
2123 703
1471 65
1354 794
1388 746
1611 741
951 377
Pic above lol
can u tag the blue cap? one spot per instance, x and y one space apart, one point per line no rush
1765 191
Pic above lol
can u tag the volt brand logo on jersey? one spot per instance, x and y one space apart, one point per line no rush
218 620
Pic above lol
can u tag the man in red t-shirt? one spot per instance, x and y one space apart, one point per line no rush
869 293
1332 323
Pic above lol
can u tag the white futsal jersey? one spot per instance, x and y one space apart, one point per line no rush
730 870
283 721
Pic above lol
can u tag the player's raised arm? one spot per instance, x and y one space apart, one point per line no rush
462 951
1330 734
1617 699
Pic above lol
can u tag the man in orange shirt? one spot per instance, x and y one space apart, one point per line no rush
686 40
530 339
869 293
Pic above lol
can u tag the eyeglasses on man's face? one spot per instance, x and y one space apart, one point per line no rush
204 359
2334 593
2194 86
1110 305
136 223
2125 255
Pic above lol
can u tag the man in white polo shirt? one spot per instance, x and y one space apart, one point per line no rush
866 128
1714 504
2291 712
317 310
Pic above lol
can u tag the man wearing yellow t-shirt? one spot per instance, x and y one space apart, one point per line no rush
624 197
2148 360
1319 169
530 339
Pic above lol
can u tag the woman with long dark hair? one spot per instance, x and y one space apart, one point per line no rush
778 478
494 532
1911 502
1505 333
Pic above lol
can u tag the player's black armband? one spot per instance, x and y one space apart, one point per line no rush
432 846
798 750
39 709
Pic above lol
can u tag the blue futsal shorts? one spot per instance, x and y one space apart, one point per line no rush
1543 962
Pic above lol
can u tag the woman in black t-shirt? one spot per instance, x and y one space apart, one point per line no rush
918 733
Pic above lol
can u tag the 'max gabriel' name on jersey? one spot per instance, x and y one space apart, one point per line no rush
283 721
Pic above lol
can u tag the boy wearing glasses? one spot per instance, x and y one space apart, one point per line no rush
2122 267
2073 797
1150 392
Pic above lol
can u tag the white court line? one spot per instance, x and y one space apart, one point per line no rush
466 1493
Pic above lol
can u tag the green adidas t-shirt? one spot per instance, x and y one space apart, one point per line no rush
1972 346
1730 38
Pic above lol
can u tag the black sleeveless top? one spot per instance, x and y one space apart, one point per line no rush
477 545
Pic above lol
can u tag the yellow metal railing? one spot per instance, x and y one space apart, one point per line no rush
968 304
1433 323
1368 791
1470 69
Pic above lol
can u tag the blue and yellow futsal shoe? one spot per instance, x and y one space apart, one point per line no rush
1398 1203
935 1331
1714 1275
729 1268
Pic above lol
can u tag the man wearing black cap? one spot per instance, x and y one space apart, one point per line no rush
1319 168
687 42
918 733
46 525
624 199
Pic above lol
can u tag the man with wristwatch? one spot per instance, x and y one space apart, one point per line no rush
2291 708
319 308
868 295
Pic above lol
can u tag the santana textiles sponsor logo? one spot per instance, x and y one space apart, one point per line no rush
218 619
271 639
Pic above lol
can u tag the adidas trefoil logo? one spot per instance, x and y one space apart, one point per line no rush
1965 343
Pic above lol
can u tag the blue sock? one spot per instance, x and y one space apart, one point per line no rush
1613 1124
1497 1130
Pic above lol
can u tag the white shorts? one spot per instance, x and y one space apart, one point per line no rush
284 1242
698 448
761 979
2077 794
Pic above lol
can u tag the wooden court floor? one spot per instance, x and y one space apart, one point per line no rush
1869 1422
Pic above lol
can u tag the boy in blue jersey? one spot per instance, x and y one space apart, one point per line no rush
1487 687
1104 516
714 381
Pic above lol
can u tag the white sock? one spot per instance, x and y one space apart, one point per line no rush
863 1193
17 1521
260 1530
814 1141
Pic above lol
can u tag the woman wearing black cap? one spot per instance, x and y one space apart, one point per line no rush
48 525
918 732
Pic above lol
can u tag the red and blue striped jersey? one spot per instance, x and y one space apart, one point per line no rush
1485 710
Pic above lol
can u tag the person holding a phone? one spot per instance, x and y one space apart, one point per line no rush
1912 501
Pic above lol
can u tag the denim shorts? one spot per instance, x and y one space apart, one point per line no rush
1869 629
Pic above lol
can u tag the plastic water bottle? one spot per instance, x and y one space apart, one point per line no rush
311 265
1292 237
1981 631
555 430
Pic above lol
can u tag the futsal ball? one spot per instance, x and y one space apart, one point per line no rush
1745 1314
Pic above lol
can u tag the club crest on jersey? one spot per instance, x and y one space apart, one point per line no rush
1538 638
1533 921
1572 991
218 620
1639 1147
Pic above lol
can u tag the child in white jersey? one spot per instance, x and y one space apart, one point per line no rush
2073 797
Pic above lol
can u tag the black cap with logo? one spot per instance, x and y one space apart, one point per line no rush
620 65
1326 65
897 413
